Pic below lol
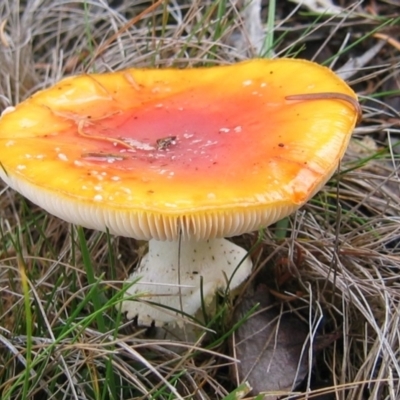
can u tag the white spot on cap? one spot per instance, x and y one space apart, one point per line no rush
21 167
263 84
10 143
159 105
137 144
98 197
62 157
224 130
115 178
248 82
211 196
260 198
237 129
8 110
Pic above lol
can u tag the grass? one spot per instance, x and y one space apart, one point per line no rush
61 336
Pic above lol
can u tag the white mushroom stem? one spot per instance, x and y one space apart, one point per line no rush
171 275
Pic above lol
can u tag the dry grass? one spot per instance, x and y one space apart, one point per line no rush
342 248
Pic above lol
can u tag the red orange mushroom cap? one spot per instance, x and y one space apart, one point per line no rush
150 153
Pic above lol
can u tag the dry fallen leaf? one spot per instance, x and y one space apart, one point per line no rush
319 6
269 346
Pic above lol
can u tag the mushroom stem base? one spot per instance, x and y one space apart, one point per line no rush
177 275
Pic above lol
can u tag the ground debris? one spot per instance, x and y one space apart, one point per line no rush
375 177
248 39
319 6
271 346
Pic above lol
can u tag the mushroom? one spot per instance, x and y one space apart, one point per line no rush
182 158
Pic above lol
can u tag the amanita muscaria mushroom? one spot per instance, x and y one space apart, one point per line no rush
182 158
